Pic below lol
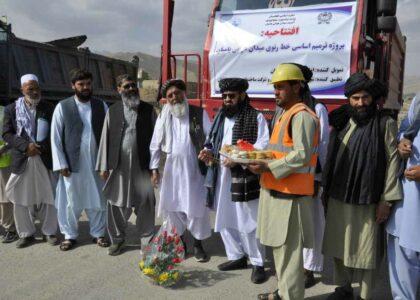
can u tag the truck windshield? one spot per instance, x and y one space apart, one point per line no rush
229 5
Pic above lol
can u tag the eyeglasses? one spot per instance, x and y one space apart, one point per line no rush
129 85
228 95
175 93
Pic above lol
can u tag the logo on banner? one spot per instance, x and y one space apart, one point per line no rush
325 17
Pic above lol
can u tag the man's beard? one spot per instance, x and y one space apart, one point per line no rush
363 117
130 99
33 101
84 95
231 110
178 110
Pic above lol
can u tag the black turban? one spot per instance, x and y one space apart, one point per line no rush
361 82
306 72
179 83
233 85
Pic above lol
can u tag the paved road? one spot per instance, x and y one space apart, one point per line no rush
87 272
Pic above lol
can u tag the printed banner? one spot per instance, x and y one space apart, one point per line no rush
251 43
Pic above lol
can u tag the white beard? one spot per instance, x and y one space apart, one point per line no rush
130 101
178 110
33 101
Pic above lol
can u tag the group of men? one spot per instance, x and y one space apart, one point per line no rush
352 164
63 162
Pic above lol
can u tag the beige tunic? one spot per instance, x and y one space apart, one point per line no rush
274 213
351 233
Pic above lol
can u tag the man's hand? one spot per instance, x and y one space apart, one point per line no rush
413 173
206 156
104 175
65 172
258 167
33 149
404 148
382 212
228 163
155 178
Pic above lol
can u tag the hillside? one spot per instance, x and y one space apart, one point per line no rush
151 64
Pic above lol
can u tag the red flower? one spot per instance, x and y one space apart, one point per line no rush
177 240
170 267
165 234
169 239
156 240
179 249
159 248
176 260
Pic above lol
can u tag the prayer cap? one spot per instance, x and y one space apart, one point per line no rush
361 82
233 84
179 83
28 77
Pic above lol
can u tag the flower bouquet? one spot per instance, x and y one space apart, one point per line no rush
161 256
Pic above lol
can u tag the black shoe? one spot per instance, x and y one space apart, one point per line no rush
269 296
233 265
258 274
25 242
341 293
115 249
309 279
10 237
199 253
50 239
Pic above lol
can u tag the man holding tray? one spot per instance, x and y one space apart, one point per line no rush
232 190
285 220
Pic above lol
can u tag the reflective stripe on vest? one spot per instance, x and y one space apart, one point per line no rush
301 182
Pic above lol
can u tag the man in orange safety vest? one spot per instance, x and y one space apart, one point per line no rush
287 184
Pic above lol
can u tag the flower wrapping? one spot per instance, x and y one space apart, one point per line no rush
161 256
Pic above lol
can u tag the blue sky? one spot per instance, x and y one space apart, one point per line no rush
135 25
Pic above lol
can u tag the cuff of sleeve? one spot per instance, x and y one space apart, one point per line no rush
59 168
153 167
390 200
276 168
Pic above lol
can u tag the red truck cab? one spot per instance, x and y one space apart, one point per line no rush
377 48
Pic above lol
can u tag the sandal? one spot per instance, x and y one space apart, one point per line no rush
101 242
269 296
67 244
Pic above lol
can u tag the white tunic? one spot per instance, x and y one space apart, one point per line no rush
82 190
33 187
241 216
182 188
404 222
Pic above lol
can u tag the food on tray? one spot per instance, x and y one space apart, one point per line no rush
235 152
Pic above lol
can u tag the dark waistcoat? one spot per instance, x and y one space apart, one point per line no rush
144 131
73 128
197 132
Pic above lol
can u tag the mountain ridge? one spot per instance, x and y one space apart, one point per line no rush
151 64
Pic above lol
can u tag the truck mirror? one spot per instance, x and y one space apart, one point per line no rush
387 24
386 7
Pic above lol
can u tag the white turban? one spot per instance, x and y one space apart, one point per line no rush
28 77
